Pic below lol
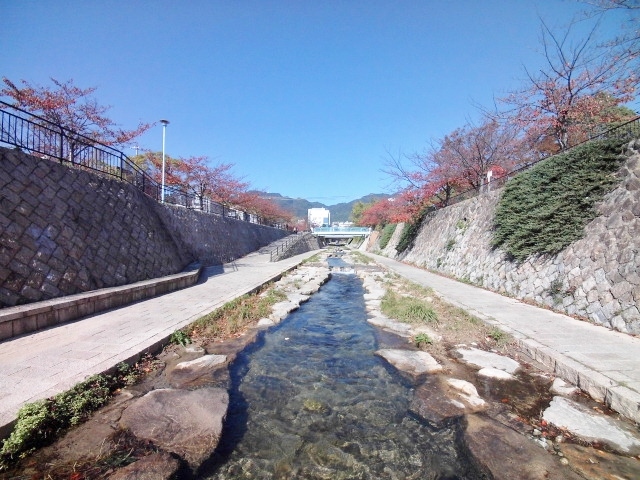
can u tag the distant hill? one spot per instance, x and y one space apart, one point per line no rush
340 212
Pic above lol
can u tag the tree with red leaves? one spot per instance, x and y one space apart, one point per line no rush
377 213
256 204
74 108
579 84
464 157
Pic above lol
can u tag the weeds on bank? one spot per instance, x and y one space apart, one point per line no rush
233 317
360 258
407 309
40 423
412 303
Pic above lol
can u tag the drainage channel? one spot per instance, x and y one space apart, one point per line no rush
311 400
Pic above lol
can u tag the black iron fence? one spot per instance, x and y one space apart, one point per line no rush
627 131
40 137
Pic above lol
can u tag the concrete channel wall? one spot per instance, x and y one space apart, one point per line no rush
64 231
597 277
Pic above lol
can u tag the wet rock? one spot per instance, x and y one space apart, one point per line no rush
265 323
467 394
482 359
187 423
595 464
157 466
495 373
592 426
411 361
560 387
431 403
507 455
195 372
280 310
390 325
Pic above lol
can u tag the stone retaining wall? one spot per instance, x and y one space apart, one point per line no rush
597 277
306 243
65 230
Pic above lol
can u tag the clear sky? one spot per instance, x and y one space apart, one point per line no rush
304 97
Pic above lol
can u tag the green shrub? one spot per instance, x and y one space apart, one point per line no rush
422 339
41 422
180 337
410 231
544 209
387 233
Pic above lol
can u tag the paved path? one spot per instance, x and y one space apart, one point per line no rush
604 363
44 363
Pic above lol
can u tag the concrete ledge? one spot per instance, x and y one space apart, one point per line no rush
23 319
597 385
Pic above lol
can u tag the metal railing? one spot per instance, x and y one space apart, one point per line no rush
39 137
627 131
284 245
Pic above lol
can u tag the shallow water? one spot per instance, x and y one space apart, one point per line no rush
311 400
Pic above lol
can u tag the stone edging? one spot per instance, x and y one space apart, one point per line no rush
23 319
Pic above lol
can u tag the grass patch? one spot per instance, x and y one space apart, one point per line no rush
386 234
544 209
361 258
407 309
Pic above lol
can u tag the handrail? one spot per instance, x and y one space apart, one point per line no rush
37 135
284 245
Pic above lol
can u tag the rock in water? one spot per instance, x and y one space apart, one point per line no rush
595 464
157 466
196 371
187 423
507 455
432 404
411 361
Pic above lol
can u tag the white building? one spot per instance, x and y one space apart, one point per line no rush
317 217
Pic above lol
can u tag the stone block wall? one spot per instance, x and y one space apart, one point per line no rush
65 231
597 277
213 239
306 243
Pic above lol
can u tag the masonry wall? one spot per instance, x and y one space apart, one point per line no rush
66 231
597 277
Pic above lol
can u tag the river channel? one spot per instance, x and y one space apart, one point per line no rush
311 400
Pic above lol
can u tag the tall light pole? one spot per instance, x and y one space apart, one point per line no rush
164 134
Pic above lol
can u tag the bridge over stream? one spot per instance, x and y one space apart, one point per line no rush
341 232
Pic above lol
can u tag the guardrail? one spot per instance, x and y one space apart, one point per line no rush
40 137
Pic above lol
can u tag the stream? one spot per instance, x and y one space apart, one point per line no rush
310 400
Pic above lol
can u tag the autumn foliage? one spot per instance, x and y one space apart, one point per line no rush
578 94
72 107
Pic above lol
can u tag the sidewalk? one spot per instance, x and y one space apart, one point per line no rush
602 362
47 362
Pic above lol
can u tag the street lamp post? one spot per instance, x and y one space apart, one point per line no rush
164 133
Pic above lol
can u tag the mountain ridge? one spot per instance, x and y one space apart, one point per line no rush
340 212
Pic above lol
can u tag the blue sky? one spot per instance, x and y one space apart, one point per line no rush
304 97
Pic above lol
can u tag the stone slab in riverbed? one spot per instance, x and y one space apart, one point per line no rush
414 362
592 426
483 359
507 455
187 423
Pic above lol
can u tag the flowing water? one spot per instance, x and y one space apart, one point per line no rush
311 400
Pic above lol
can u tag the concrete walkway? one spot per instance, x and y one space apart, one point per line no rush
602 362
44 363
